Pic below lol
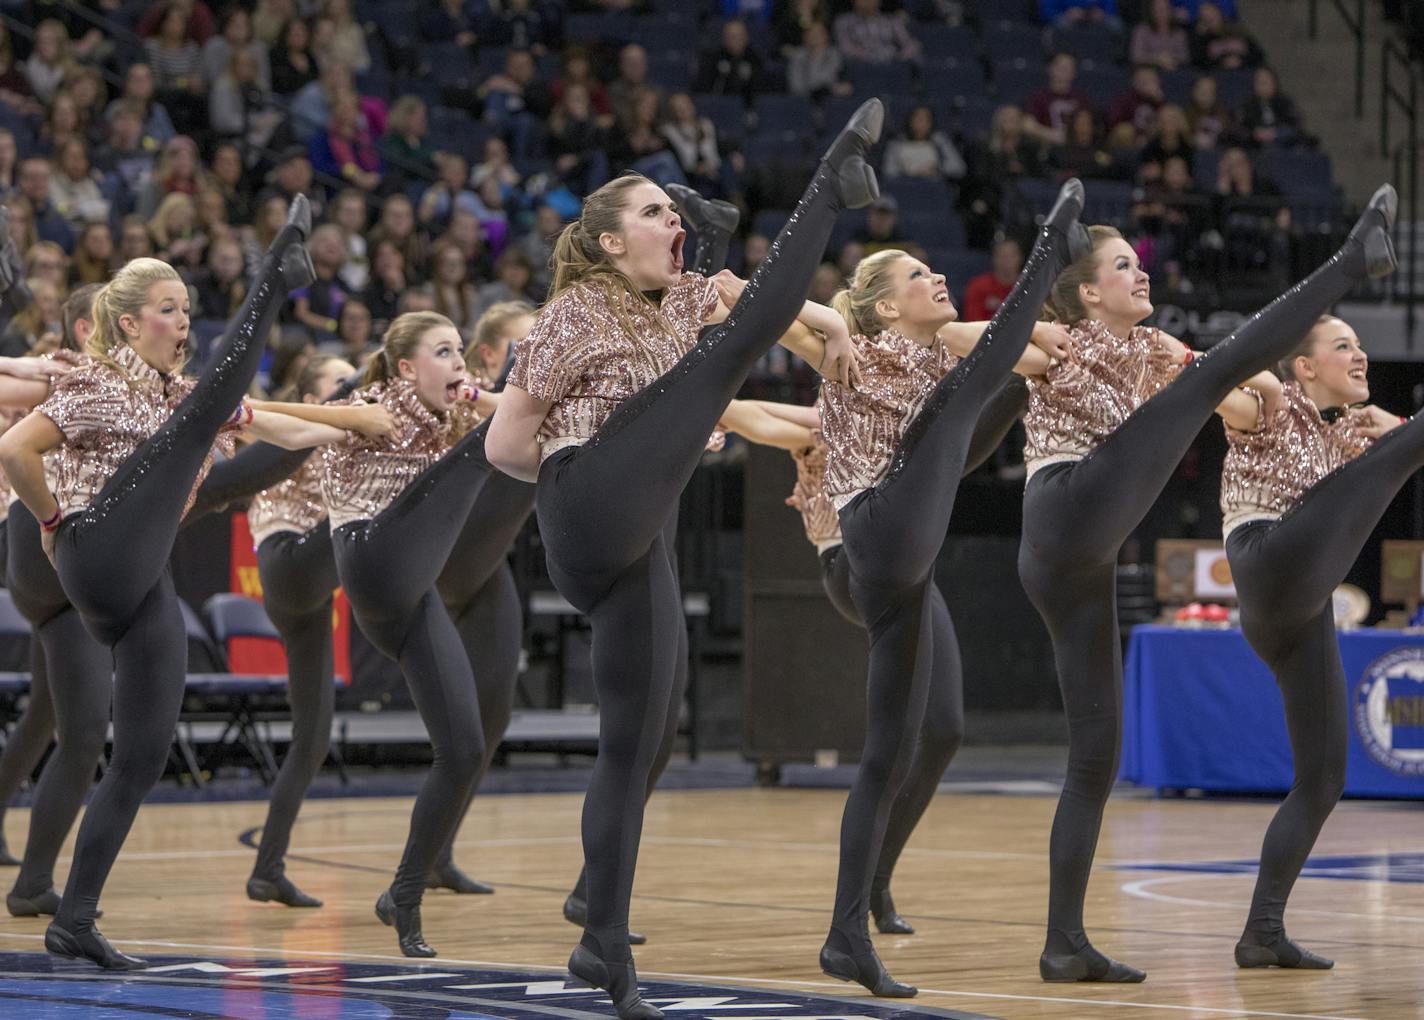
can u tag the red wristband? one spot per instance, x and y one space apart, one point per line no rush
52 522
1187 359
1402 419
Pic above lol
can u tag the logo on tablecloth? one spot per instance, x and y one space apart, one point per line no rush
1389 711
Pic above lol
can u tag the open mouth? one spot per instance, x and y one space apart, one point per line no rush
452 390
941 297
1141 293
1357 374
181 345
676 250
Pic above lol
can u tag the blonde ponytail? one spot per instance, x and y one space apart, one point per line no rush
125 294
870 284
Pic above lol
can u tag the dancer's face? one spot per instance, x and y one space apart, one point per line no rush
158 333
492 358
1119 292
437 368
918 303
1334 373
649 250
333 374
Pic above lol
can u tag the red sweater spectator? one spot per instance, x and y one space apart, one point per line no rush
202 26
987 291
1138 106
1054 106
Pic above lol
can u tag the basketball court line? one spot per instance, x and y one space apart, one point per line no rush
1140 890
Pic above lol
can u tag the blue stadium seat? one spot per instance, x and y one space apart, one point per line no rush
947 41
663 34
452 65
920 195
727 113
1204 169
931 230
1233 87
1108 202
769 222
1089 42
1102 84
882 80
1014 83
1296 171
972 117
774 147
785 115
671 70
611 27
1013 40
947 79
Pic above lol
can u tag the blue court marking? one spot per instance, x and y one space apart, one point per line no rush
1402 867
37 986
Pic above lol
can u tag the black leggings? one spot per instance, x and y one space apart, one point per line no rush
1285 573
943 727
893 533
77 685
254 468
298 574
478 591
1068 572
602 511
388 566
113 564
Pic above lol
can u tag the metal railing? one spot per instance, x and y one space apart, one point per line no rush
1355 22
1402 97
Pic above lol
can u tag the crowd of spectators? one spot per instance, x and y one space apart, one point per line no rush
445 143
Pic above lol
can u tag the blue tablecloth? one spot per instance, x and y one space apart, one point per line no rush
1201 711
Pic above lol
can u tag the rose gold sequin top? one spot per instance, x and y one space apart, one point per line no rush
361 476
105 416
862 427
1092 391
1266 471
818 513
581 358
293 505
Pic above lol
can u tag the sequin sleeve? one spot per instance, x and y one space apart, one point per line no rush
84 401
687 305
543 366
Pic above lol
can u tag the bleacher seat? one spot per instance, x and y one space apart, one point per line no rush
610 27
727 113
947 80
671 71
1108 202
1296 171
920 195
1233 87
785 115
1014 83
956 42
882 80
1102 84
1007 41
769 222
1089 42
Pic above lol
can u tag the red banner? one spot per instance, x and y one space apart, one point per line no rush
258 655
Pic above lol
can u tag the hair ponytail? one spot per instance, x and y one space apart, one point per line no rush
402 338
871 282
125 294
1065 304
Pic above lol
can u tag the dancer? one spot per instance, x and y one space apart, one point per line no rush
897 446
1106 428
131 442
609 405
1303 485
396 507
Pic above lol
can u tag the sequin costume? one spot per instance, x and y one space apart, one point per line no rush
1266 471
1077 514
896 458
1092 391
809 497
397 505
112 557
1331 486
293 505
604 509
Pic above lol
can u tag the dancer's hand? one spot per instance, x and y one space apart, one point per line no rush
1378 421
33 369
729 287
1168 348
373 421
1053 339
840 362
47 544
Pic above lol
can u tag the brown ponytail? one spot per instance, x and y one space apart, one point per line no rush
1065 304
403 336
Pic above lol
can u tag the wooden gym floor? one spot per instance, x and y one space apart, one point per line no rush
734 889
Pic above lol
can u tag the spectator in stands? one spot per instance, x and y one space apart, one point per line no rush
986 292
1250 216
538 246
734 68
388 282
1187 10
1171 136
292 176
355 341
578 70
293 66
222 284
346 149
177 65
348 212
236 35
1070 13
850 256
455 296
815 68
60 125
343 39
694 142
1268 117
29 326
269 18
294 348
632 78
882 226
449 193
134 239
868 34
1008 154
1221 45
520 25
922 150
226 179
15 91
791 19
641 146
45 260
93 260
74 186
1084 154
495 163
515 93
1158 39
9 164
49 222
139 89
448 21
754 252
1052 107
212 214
1173 212
239 106
175 233
317 305
198 21
466 233
85 86
49 61
406 152
397 224
513 281
576 142
825 283
1138 106
179 170
1208 119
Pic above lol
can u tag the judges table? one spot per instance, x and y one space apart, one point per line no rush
1201 711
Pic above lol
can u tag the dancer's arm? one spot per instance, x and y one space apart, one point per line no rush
749 419
1241 410
291 432
24 393
40 369
1380 421
370 420
818 336
799 414
22 450
512 443
1049 342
